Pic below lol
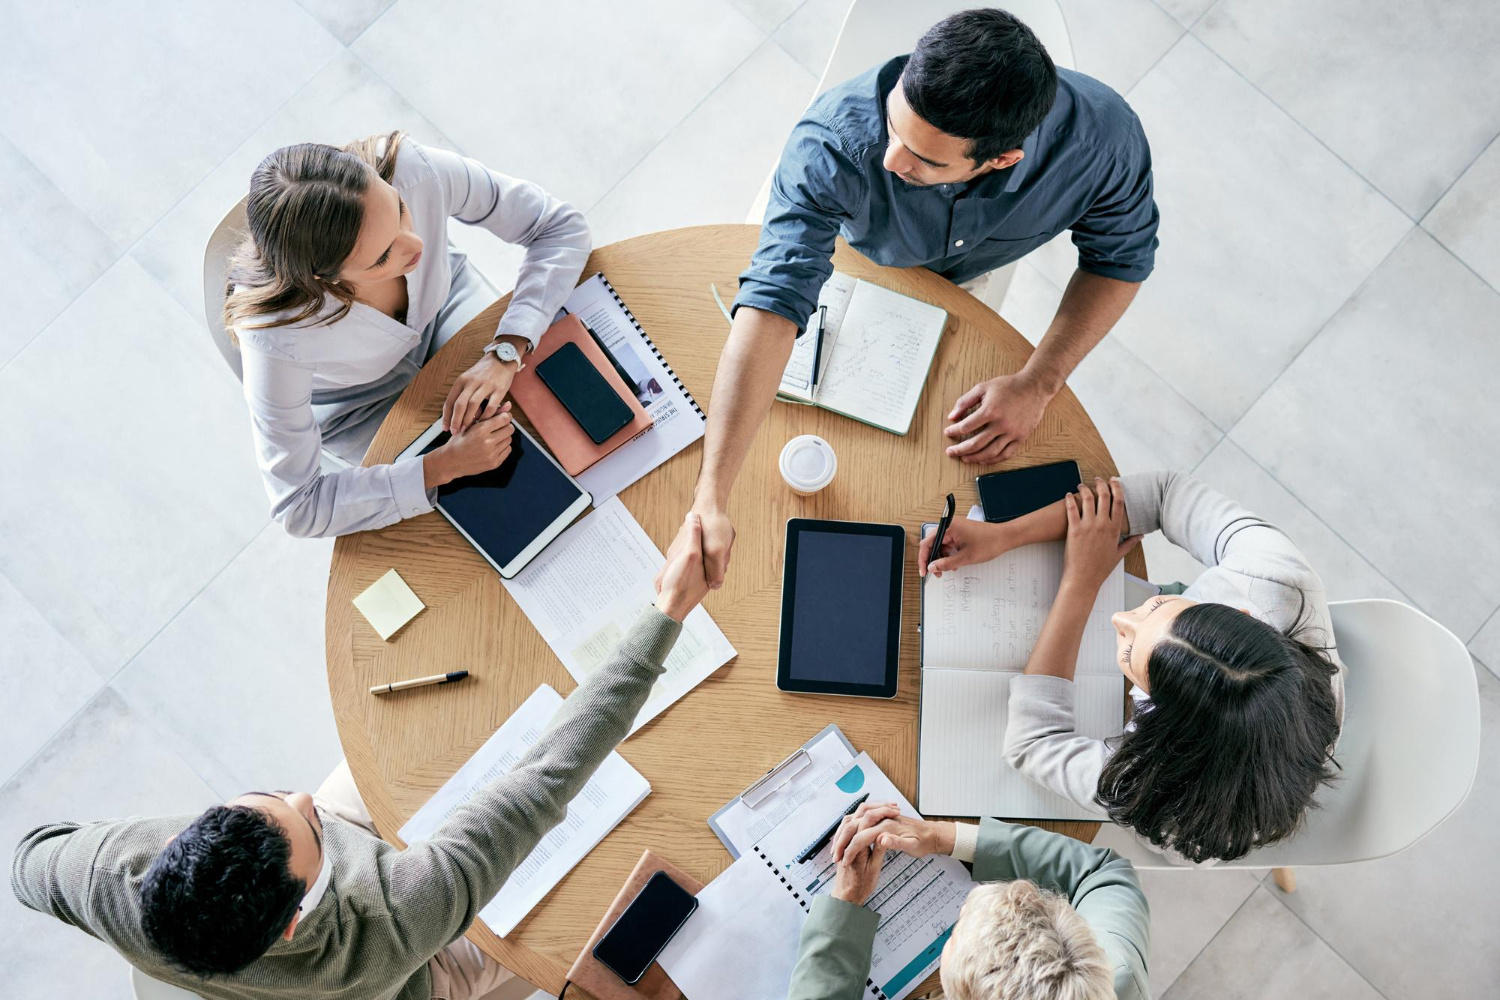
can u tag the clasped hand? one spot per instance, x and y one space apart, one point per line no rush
860 843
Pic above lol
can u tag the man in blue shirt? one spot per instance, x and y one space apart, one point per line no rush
962 157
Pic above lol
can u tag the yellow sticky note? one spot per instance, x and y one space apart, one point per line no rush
388 603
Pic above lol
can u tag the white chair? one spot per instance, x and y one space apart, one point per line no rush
876 30
1408 752
225 237
143 987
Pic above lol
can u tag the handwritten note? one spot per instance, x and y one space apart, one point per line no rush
988 616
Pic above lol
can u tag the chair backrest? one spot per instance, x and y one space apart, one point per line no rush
875 30
1408 752
146 988
225 237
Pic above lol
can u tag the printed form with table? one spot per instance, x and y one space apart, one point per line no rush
586 587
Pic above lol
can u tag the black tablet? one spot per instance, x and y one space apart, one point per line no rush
510 513
841 608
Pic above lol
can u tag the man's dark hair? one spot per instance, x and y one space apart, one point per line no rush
1234 742
981 75
220 894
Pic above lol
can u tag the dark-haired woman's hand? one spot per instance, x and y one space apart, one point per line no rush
1096 525
487 382
965 543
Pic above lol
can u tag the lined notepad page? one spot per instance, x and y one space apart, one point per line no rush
961 772
796 379
988 616
880 358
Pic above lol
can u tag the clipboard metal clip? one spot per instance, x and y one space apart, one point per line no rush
775 778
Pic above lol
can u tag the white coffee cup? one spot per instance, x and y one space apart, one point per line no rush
808 464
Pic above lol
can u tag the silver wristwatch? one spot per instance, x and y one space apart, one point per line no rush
505 351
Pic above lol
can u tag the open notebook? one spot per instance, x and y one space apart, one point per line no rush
877 348
979 625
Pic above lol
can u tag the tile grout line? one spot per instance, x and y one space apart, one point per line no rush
1493 615
128 249
1492 672
1460 176
1125 94
1298 122
1277 894
690 112
109 681
1209 943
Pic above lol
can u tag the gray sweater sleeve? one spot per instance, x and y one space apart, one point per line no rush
438 886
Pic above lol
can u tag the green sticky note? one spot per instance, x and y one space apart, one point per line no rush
388 603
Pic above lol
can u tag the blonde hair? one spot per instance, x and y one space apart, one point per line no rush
304 211
1015 941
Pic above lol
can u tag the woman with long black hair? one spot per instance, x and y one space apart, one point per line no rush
1238 689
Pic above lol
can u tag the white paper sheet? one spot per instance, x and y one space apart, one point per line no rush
964 716
588 587
675 422
614 790
918 899
745 945
988 616
741 942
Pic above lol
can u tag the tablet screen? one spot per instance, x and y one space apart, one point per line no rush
506 509
845 608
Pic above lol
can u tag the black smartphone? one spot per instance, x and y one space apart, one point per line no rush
1007 495
640 933
585 394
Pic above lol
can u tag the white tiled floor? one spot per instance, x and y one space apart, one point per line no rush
1321 339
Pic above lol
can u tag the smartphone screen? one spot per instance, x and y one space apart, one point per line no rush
1008 495
640 933
585 394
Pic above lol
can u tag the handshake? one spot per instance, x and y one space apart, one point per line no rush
681 583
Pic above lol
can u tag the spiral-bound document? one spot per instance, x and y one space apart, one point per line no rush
741 944
676 418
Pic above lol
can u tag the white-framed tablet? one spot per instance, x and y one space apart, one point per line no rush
508 514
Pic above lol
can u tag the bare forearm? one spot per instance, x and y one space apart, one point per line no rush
1056 650
1089 309
750 369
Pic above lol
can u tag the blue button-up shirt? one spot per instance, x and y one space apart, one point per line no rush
1087 168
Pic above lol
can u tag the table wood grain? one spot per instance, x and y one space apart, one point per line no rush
706 748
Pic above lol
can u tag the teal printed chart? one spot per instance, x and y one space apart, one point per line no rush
918 899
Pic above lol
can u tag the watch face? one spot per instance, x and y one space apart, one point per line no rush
507 352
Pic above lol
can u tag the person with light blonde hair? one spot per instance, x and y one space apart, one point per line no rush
1054 918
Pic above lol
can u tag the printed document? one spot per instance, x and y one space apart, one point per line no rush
610 795
588 587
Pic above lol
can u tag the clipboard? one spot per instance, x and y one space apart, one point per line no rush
768 784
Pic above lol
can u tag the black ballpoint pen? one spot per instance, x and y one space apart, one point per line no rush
818 344
817 845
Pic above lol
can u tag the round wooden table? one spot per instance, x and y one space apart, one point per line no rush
705 749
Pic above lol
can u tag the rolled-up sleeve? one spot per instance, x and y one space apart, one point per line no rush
817 185
1116 237
305 500
555 234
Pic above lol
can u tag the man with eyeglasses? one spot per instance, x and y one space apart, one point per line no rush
283 894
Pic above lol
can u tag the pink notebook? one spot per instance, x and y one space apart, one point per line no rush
568 442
